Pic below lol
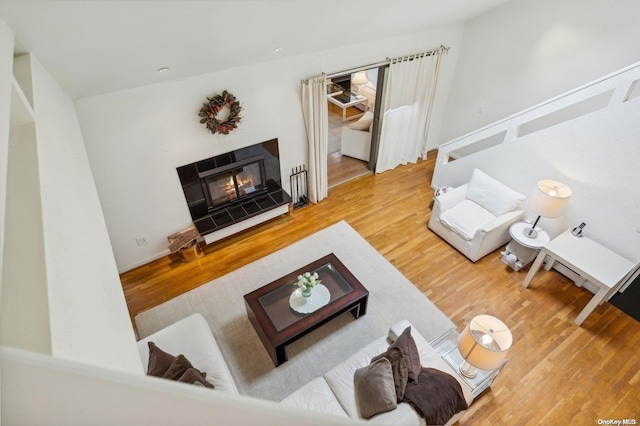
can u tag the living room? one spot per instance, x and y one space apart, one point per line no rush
140 133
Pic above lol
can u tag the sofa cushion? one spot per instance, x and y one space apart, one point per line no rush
399 369
374 389
317 396
491 194
437 396
340 377
406 343
465 218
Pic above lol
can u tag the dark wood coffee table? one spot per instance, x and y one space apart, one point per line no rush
278 324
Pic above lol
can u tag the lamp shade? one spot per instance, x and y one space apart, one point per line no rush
484 342
549 198
359 78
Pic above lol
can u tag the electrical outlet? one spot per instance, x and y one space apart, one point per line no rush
141 241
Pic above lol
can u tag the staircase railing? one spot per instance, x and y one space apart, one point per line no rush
602 93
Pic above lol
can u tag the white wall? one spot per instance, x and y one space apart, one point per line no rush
61 293
136 138
596 155
527 51
6 71
89 319
24 313
6 55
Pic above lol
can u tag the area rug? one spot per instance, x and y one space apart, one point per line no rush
391 298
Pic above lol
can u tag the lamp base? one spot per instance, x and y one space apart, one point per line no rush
530 233
468 370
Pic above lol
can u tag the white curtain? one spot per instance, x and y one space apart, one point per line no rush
408 105
316 120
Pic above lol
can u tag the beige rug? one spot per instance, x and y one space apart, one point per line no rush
391 298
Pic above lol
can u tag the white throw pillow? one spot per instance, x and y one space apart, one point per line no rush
465 218
363 123
491 194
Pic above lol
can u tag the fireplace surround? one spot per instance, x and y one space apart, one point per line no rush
233 187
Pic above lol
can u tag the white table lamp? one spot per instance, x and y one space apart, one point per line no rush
483 344
547 199
360 78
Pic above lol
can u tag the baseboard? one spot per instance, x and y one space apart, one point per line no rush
143 262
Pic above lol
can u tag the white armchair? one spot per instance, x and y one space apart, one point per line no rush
356 138
475 217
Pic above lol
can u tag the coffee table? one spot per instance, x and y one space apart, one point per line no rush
278 324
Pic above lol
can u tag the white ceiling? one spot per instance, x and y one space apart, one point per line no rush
95 47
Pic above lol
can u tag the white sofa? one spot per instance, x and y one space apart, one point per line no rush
475 217
192 337
334 392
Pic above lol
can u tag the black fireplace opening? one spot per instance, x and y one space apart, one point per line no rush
226 189
234 182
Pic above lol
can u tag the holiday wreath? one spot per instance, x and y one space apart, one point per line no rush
221 114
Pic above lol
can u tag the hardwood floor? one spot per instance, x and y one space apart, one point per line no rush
557 373
341 169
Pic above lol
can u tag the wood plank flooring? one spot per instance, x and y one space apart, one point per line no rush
557 373
341 169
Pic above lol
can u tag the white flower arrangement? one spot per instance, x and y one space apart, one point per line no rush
307 280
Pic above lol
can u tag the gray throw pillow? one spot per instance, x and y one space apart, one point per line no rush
408 346
374 389
399 369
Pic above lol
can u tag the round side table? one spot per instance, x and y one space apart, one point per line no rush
521 250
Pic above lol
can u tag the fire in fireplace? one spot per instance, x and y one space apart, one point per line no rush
234 181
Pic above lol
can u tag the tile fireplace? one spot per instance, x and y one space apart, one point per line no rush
230 188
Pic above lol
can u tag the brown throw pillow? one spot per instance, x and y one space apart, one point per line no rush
399 369
193 376
410 351
374 388
159 361
437 396
177 368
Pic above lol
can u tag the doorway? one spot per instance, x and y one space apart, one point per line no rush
352 100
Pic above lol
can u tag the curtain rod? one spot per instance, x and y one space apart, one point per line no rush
385 62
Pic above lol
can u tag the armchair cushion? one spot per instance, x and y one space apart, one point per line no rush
466 217
363 123
492 195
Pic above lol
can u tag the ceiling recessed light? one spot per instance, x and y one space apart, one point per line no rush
277 49
163 69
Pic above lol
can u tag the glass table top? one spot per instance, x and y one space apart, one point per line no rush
276 302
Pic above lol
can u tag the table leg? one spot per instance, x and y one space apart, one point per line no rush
360 309
280 355
534 268
595 301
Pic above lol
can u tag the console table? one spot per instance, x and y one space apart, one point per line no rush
597 264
